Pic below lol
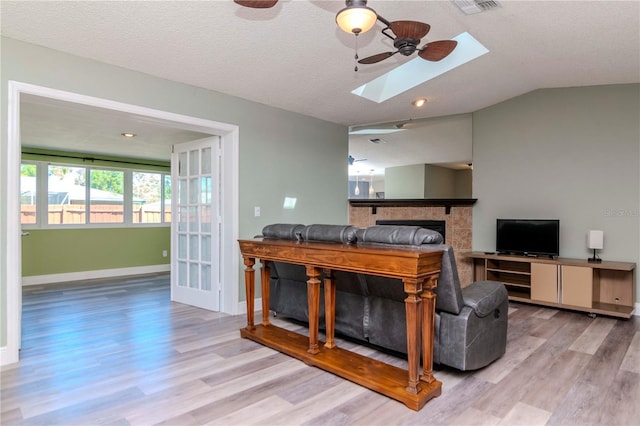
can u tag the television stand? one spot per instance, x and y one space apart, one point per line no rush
606 288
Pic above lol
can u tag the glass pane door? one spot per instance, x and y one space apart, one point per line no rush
195 258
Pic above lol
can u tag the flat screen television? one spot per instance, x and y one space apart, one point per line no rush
528 237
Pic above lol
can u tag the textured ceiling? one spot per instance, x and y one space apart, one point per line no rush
294 57
59 125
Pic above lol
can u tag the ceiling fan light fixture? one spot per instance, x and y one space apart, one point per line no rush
419 102
356 18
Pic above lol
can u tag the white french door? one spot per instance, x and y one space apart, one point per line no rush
195 224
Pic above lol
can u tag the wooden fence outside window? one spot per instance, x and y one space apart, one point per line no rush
99 213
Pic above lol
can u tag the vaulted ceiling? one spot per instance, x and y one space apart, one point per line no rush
294 56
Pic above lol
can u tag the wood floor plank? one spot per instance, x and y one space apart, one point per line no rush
76 413
545 313
355 408
592 338
548 388
583 403
319 402
615 407
461 398
118 352
517 351
631 361
523 414
473 416
254 414
162 410
237 401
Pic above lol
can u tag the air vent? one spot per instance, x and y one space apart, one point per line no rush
470 7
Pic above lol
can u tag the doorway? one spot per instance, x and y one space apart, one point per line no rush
228 232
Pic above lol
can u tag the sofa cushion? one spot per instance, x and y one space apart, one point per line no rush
285 231
398 234
484 297
336 233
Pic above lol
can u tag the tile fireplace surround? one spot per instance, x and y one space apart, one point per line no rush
458 227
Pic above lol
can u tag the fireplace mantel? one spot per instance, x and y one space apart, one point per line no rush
447 203
456 212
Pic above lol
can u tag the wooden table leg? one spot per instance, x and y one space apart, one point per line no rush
265 278
313 298
428 327
329 308
414 324
250 285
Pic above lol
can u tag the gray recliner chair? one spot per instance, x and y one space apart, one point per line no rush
471 322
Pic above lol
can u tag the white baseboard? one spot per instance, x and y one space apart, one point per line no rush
91 275
636 311
242 306
6 357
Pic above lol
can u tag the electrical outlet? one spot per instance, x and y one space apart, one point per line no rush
256 211
164 253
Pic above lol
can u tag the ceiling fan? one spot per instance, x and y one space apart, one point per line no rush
256 4
357 18
407 38
353 160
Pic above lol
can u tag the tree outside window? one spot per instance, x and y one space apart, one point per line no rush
147 197
106 195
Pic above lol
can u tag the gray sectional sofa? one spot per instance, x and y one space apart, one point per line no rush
471 322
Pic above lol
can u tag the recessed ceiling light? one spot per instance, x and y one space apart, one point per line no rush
419 102
128 135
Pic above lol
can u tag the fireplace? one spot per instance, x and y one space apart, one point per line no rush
436 225
457 220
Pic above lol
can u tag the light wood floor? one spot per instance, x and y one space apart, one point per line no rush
119 353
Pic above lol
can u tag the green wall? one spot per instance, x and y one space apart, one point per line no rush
426 181
464 183
571 154
404 181
281 153
439 182
61 251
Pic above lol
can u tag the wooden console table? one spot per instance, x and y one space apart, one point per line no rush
418 270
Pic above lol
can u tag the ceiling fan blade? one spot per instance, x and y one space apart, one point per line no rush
377 58
410 29
437 50
256 4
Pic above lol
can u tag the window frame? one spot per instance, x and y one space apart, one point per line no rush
42 193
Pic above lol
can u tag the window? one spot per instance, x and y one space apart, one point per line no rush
28 190
147 197
67 194
167 198
106 196
83 196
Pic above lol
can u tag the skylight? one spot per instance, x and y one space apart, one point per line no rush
417 70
